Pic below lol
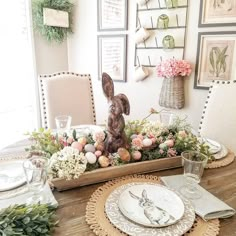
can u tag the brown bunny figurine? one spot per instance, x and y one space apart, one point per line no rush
118 105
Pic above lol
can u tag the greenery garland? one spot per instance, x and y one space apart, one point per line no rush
51 33
32 220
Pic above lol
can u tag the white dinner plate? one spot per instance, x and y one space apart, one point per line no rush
11 175
222 153
213 145
151 205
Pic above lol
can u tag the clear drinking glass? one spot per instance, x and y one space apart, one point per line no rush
63 123
35 169
193 164
167 118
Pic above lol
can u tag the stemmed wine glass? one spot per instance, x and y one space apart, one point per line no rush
193 163
35 169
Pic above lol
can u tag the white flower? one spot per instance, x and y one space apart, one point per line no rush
98 136
68 163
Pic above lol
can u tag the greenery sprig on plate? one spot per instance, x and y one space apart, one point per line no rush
52 33
32 220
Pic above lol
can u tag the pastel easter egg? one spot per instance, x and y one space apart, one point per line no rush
163 146
99 146
77 146
133 136
169 142
91 158
136 155
98 153
124 154
103 161
82 140
147 142
89 148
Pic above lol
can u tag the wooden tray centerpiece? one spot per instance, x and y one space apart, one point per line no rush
98 155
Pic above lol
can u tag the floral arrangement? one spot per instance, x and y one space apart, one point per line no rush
72 154
68 163
172 67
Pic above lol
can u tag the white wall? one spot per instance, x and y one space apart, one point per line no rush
82 58
50 57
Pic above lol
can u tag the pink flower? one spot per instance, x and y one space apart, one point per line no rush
140 136
172 67
137 143
169 142
171 152
99 136
161 151
70 140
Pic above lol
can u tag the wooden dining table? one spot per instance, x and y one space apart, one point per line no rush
72 203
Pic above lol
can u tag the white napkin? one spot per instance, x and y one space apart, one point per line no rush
207 206
21 197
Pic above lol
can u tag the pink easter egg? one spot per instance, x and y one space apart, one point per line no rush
77 146
169 143
136 155
98 153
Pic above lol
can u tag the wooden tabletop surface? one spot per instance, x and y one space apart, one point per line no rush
72 203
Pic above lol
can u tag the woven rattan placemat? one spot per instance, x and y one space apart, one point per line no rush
222 162
101 226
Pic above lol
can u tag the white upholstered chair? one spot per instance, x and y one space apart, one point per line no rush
218 120
66 93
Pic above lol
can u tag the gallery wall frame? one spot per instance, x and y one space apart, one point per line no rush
215 13
112 56
216 58
112 15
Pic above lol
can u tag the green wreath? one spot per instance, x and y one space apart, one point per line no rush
51 33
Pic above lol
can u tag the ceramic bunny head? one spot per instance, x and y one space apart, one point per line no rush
118 105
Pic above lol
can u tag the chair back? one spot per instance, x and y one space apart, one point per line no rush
66 93
218 121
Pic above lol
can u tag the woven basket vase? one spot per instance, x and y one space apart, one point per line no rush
172 93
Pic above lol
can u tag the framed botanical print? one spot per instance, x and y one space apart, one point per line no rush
112 56
217 13
216 58
112 15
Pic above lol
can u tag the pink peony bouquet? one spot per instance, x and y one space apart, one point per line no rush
172 67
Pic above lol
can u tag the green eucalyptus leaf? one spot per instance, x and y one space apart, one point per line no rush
36 219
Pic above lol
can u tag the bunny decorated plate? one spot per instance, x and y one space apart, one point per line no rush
151 205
